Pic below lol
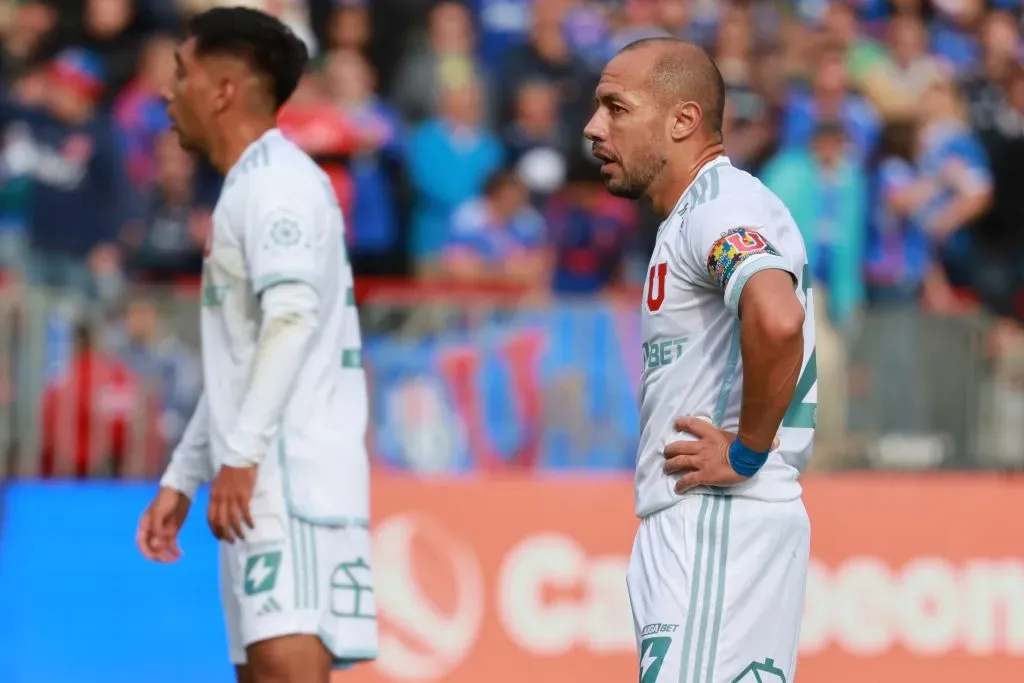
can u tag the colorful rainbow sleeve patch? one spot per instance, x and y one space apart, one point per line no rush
732 249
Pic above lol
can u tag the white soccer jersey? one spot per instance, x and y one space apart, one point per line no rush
725 227
278 221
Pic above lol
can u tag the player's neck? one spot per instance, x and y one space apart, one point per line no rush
235 138
676 180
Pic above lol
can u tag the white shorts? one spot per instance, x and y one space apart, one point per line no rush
292 577
717 584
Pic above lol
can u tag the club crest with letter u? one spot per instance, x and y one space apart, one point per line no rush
656 286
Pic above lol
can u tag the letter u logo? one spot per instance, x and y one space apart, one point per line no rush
746 241
656 286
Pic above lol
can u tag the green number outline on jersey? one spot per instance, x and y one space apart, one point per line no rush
351 358
802 413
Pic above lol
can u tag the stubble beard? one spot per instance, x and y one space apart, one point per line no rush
634 183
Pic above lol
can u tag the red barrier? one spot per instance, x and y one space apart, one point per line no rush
506 580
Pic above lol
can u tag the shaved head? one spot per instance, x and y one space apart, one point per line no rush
683 72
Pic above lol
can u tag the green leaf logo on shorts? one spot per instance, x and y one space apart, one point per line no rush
261 572
652 656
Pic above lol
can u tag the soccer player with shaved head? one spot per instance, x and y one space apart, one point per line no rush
729 386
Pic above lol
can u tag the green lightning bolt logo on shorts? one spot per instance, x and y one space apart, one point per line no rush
654 647
261 572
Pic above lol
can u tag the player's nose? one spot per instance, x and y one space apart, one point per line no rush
596 130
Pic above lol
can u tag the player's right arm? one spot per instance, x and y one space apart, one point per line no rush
190 463
190 466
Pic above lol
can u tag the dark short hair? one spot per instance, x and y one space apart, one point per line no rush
271 49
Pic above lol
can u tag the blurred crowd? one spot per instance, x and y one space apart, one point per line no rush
452 132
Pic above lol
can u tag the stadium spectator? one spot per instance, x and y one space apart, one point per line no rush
589 231
954 192
169 243
913 68
349 25
116 31
139 109
450 158
503 24
445 61
676 19
374 165
32 23
631 21
546 56
898 251
586 29
70 151
16 189
164 366
97 418
750 127
1001 52
537 140
498 238
825 190
830 97
999 236
955 35
323 131
869 65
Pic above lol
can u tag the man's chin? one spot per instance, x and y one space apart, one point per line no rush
619 189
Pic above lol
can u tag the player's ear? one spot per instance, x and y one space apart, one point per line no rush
686 120
224 93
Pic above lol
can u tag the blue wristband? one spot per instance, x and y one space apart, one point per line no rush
746 461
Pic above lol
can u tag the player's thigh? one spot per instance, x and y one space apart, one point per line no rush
243 674
295 658
755 616
261 576
658 580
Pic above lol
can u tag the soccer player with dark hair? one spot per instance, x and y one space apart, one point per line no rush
280 427
716 578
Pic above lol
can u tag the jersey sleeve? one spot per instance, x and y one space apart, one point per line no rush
970 164
284 232
726 253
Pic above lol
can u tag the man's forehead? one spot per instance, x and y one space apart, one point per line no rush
624 74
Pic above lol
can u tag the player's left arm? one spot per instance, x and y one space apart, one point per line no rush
772 350
758 285
281 245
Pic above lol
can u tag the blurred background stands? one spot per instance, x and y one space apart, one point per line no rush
498 280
